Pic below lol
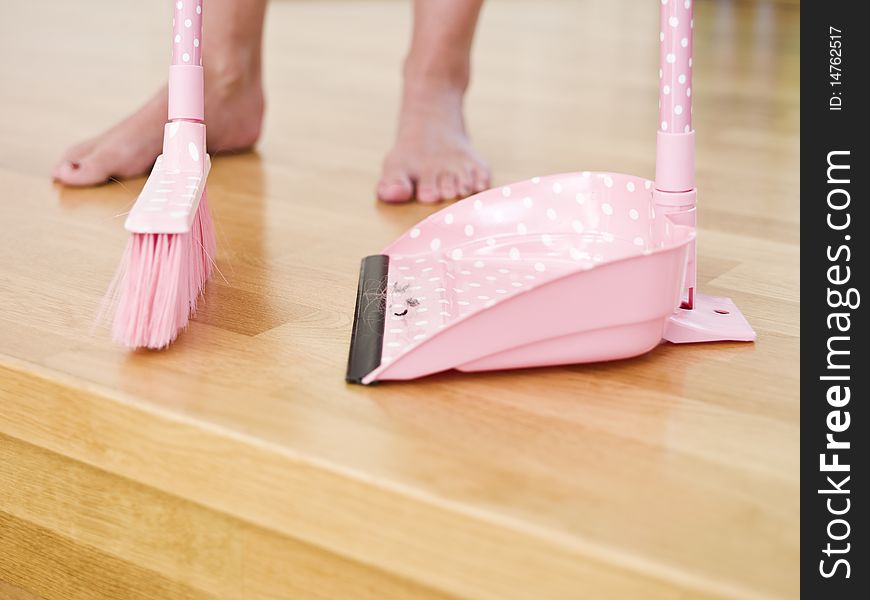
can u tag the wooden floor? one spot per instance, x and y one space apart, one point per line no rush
238 464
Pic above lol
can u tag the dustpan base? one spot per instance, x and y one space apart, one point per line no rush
609 343
713 319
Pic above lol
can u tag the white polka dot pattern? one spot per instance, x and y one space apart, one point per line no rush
187 32
675 75
508 240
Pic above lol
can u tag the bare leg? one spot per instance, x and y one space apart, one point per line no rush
432 157
233 102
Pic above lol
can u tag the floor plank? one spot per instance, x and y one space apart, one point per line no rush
674 474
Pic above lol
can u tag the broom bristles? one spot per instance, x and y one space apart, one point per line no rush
159 281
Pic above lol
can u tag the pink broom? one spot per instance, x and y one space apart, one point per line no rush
169 256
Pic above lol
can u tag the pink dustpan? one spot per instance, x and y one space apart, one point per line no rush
571 268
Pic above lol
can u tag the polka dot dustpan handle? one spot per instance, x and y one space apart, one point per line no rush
675 157
675 193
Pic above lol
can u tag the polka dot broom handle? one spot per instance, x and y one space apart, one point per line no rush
675 155
185 72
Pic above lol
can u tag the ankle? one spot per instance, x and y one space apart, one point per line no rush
443 72
229 75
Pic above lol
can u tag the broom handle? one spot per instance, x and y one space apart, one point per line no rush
185 72
674 192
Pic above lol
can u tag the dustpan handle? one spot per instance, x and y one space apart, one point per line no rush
675 58
674 193
675 156
185 72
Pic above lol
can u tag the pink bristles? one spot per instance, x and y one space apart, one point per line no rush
159 282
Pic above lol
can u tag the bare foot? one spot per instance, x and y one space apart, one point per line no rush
432 158
234 112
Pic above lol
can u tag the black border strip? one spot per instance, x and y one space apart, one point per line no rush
834 229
